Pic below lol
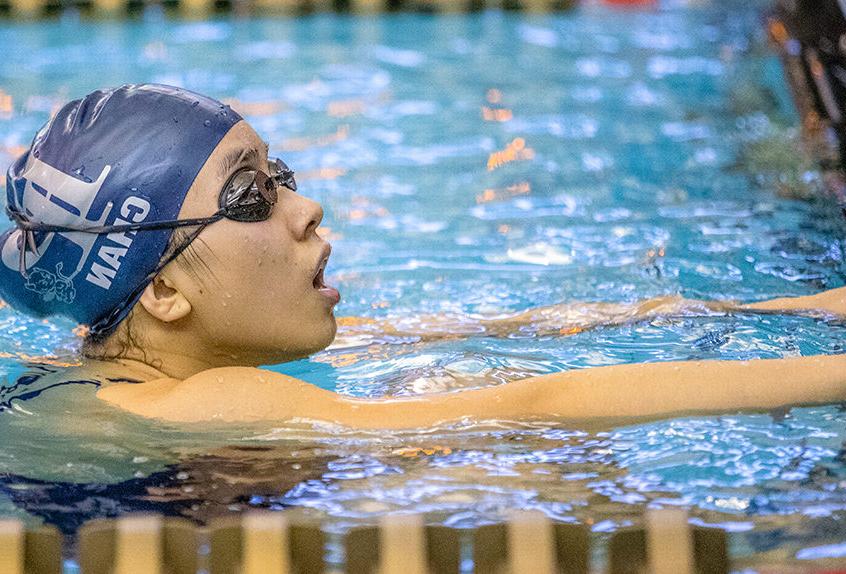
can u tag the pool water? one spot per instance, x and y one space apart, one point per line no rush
476 164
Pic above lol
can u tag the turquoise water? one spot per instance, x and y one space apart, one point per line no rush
638 172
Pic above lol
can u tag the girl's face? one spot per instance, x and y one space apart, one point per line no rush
256 288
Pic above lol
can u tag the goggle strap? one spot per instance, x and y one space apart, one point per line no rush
28 229
116 315
29 226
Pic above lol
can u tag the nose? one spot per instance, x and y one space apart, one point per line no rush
309 216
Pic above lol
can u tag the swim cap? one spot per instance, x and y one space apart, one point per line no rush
125 155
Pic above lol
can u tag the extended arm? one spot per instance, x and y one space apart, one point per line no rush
570 318
602 396
618 394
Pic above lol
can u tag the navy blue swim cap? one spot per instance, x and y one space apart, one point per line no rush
119 156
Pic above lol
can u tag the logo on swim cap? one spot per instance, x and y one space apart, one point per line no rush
52 196
51 286
47 194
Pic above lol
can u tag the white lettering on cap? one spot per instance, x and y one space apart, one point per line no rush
110 257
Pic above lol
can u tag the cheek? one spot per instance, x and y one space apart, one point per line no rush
246 247
263 265
259 273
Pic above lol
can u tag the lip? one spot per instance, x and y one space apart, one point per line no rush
330 293
324 255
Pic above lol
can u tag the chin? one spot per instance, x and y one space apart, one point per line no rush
318 341
329 335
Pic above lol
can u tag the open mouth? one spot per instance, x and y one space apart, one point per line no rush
318 281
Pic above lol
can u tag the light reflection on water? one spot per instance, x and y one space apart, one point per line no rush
633 188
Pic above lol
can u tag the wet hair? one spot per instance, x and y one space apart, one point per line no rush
123 339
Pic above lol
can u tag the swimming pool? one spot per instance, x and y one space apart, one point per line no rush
482 163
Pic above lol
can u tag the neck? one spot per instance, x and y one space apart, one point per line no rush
164 351
172 363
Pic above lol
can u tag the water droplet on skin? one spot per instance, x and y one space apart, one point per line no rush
207 123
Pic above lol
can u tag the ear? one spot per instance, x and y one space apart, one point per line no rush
163 301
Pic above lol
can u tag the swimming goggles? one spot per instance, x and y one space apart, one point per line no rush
248 196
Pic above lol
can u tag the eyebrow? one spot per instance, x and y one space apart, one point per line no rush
238 158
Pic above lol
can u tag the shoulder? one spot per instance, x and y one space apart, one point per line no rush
229 394
224 377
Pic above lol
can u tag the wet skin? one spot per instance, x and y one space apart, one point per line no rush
244 294
253 294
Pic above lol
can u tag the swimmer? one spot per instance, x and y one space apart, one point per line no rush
153 216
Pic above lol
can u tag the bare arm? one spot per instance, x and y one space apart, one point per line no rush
602 396
571 318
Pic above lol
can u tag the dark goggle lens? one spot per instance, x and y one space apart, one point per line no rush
247 197
253 212
250 195
266 186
